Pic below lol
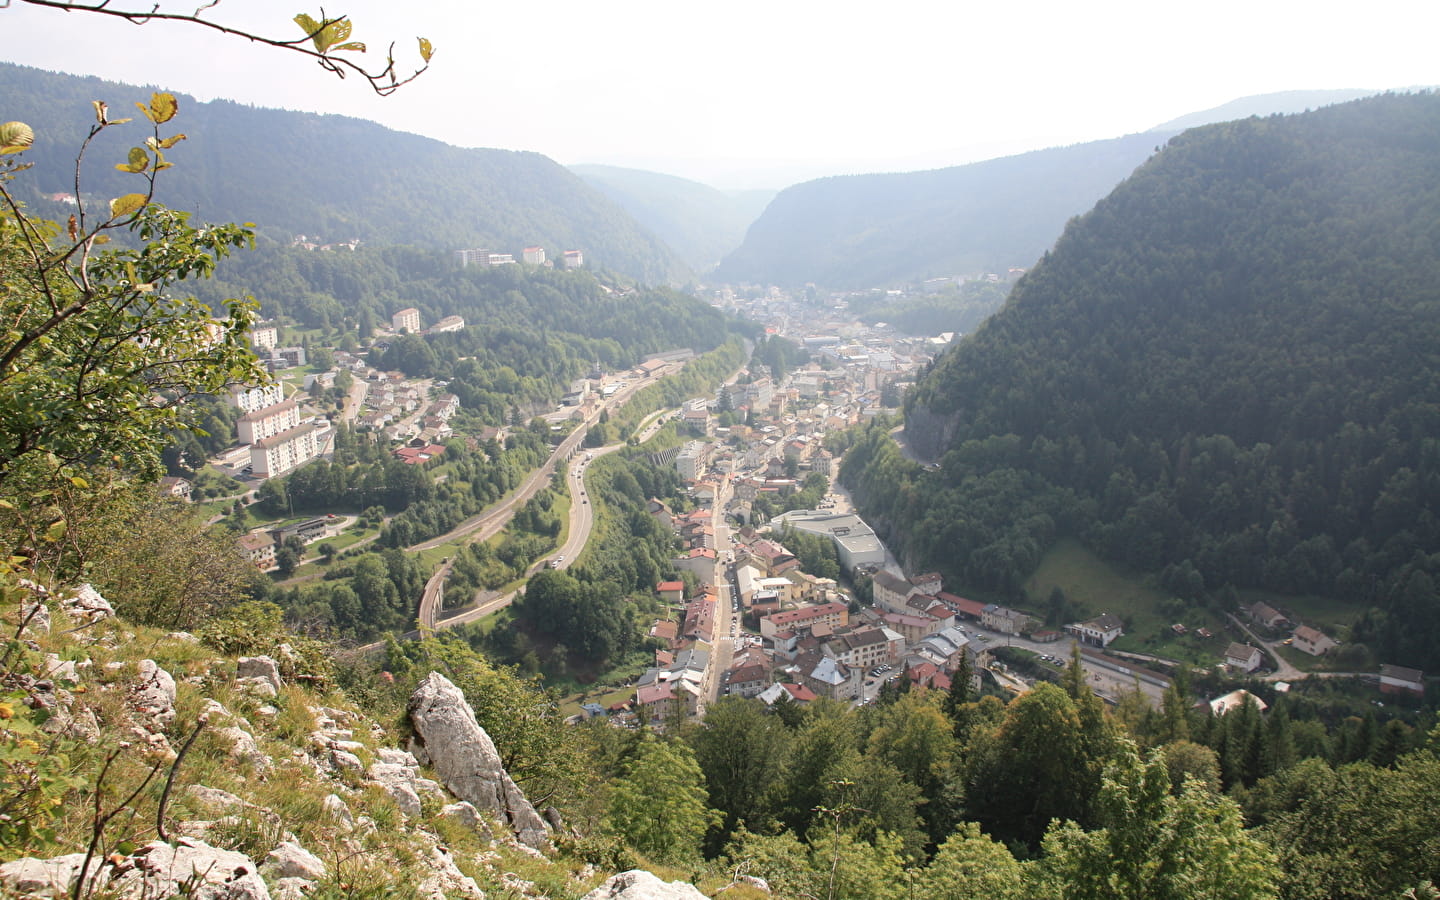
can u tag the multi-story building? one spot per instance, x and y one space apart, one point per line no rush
472 257
250 398
407 319
691 461
258 548
268 421
574 259
1099 631
264 337
533 256
282 452
449 323
834 615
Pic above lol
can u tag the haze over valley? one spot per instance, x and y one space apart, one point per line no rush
999 459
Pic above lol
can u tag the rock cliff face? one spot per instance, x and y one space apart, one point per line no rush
929 434
465 758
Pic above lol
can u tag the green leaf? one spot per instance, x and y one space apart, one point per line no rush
171 141
79 482
426 49
124 206
15 137
310 25
139 161
353 45
55 532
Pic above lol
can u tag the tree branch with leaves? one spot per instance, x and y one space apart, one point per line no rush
326 39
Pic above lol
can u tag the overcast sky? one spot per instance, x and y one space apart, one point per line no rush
762 94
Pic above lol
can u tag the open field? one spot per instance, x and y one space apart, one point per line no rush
1148 612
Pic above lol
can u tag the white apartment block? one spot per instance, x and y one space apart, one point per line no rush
256 426
472 257
449 323
264 337
534 256
249 399
287 450
407 319
574 259
691 461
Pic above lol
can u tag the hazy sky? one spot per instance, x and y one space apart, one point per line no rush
761 94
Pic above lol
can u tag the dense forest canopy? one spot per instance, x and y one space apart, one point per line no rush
1229 365
336 178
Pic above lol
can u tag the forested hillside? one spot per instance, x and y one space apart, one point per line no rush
1227 372
883 230
333 177
533 321
700 223
861 231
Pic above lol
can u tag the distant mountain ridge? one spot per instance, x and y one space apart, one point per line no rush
700 223
338 177
1281 102
862 231
886 230
1227 373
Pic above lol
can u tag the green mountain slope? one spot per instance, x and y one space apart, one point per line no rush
1228 371
884 230
698 222
860 231
333 176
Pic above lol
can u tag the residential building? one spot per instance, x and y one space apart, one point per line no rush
671 591
258 548
912 627
282 452
407 319
861 648
829 677
414 456
448 324
1234 700
1099 631
1313 641
179 488
1243 657
1267 615
574 259
472 257
796 693
308 531
249 398
267 422
748 681
692 460
533 256
835 615
891 591
1004 619
1400 680
264 337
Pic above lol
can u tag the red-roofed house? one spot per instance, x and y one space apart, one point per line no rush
969 609
832 614
414 456
671 591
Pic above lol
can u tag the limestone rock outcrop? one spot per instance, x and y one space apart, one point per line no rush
637 884
465 759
